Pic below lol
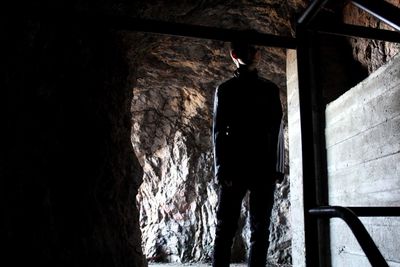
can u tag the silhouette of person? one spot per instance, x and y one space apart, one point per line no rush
248 157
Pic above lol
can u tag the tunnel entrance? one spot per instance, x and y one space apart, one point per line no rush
172 119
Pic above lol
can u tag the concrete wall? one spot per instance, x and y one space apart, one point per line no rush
363 146
295 162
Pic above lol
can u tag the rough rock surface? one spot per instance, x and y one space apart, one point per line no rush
171 137
176 78
370 53
172 110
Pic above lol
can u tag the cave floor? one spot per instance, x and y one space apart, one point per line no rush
205 265
190 264
208 265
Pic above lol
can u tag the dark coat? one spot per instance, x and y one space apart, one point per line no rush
246 125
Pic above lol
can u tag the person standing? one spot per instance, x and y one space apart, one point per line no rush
248 154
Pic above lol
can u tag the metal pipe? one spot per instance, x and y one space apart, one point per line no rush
364 239
358 31
306 104
312 142
312 10
382 10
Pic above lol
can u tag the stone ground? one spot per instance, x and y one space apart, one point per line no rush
200 265
189 264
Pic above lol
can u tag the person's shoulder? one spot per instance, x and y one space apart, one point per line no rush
268 83
226 84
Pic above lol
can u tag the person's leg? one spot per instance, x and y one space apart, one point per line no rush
228 212
261 202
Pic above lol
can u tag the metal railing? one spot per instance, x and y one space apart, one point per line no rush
350 216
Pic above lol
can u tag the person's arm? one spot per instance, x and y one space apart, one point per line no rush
218 134
280 139
280 157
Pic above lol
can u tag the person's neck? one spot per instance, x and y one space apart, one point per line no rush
244 72
247 68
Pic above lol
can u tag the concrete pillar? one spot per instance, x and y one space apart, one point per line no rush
295 161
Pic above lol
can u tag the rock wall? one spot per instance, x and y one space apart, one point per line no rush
69 174
370 53
172 110
171 137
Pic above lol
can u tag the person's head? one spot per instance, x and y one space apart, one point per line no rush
244 54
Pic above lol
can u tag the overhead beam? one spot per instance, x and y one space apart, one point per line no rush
197 31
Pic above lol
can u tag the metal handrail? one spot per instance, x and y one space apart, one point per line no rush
376 211
364 239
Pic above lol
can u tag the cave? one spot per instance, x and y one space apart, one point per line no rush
107 157
172 105
172 112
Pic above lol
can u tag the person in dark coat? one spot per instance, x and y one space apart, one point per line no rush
248 154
